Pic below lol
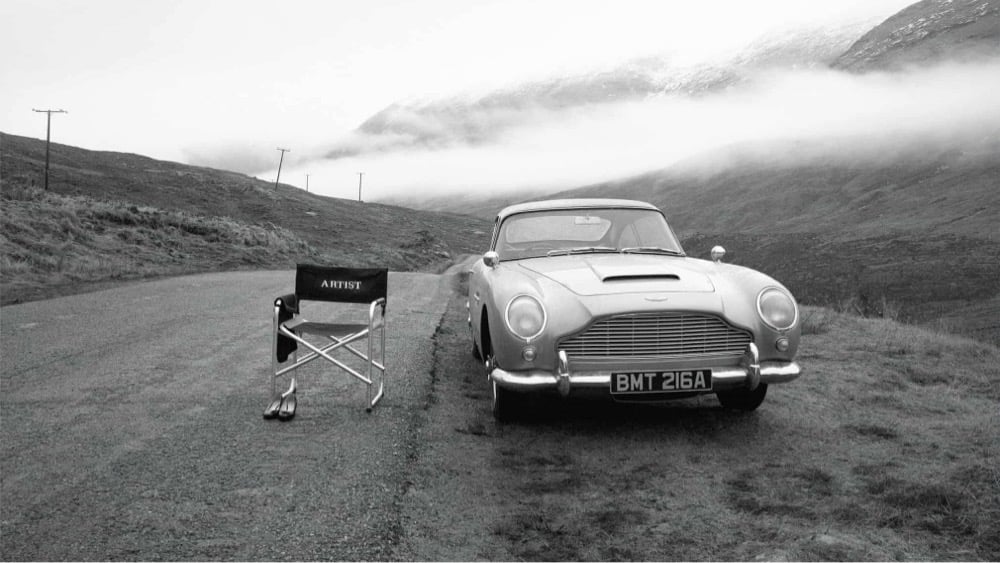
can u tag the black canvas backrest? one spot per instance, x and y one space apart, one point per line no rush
345 285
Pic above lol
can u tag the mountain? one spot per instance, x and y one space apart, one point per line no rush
472 119
885 224
114 216
928 32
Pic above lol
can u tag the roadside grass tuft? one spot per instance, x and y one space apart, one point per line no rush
817 320
900 354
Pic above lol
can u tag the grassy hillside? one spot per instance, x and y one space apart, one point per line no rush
945 189
927 32
114 216
911 236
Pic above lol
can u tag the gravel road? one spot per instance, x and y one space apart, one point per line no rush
132 429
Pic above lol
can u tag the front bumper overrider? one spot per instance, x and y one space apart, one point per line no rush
747 375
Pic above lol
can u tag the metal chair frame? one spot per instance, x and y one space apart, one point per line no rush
289 323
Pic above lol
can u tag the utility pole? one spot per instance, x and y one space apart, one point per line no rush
360 176
282 159
307 182
48 135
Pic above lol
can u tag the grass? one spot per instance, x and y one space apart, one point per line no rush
927 279
885 449
54 244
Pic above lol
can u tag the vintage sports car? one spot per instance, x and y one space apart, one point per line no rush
596 296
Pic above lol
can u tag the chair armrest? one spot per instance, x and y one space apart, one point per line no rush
288 303
285 307
374 321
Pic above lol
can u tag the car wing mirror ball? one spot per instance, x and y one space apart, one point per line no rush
491 259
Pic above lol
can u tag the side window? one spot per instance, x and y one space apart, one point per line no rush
649 231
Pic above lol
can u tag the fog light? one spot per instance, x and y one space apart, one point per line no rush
529 353
781 344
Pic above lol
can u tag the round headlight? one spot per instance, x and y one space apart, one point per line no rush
777 309
525 317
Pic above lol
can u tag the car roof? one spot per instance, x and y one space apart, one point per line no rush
590 203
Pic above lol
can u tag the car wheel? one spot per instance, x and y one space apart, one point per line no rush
743 399
506 404
472 338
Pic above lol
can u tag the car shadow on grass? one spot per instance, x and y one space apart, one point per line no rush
599 415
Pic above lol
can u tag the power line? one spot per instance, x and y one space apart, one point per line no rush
48 135
283 151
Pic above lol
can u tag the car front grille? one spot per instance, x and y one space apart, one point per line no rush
658 335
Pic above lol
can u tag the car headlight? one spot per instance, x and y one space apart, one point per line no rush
525 317
777 309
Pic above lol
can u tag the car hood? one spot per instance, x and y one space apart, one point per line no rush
613 274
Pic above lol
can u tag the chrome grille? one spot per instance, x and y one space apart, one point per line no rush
659 335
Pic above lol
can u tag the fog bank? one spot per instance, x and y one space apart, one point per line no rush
566 148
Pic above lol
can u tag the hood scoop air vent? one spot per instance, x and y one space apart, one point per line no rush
641 277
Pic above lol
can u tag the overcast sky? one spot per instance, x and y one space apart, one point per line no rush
169 79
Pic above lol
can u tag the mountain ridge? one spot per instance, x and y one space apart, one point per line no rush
927 32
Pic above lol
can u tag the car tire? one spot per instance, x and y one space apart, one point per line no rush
507 405
743 399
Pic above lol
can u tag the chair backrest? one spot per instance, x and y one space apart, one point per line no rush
344 285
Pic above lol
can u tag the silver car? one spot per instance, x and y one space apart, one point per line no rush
597 297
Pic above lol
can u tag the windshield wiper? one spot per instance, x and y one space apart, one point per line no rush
582 250
651 250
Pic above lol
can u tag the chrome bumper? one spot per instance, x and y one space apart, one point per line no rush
748 375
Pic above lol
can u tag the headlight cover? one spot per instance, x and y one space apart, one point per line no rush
777 309
525 317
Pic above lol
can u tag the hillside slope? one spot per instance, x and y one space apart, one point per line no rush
928 32
148 217
912 237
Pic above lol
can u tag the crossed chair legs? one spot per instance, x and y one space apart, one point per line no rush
283 406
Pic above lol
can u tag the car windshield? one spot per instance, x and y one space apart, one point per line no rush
581 231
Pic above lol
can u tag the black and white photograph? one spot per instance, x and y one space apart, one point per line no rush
500 280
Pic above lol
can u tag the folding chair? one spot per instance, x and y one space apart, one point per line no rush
339 285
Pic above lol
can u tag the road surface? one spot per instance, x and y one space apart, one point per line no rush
132 429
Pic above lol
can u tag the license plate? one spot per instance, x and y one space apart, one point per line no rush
627 383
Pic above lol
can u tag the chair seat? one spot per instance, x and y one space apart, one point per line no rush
302 326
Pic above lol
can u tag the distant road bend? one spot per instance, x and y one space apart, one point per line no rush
132 426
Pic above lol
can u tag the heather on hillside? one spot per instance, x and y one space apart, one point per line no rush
52 243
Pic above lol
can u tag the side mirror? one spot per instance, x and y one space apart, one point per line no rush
491 259
717 253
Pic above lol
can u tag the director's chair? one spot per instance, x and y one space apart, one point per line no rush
338 285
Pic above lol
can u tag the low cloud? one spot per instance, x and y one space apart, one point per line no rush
564 148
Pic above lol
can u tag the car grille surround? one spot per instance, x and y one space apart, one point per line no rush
657 335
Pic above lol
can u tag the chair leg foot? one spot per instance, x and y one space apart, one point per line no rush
287 410
272 409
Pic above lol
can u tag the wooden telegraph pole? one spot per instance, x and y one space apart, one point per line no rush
360 176
48 135
282 159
